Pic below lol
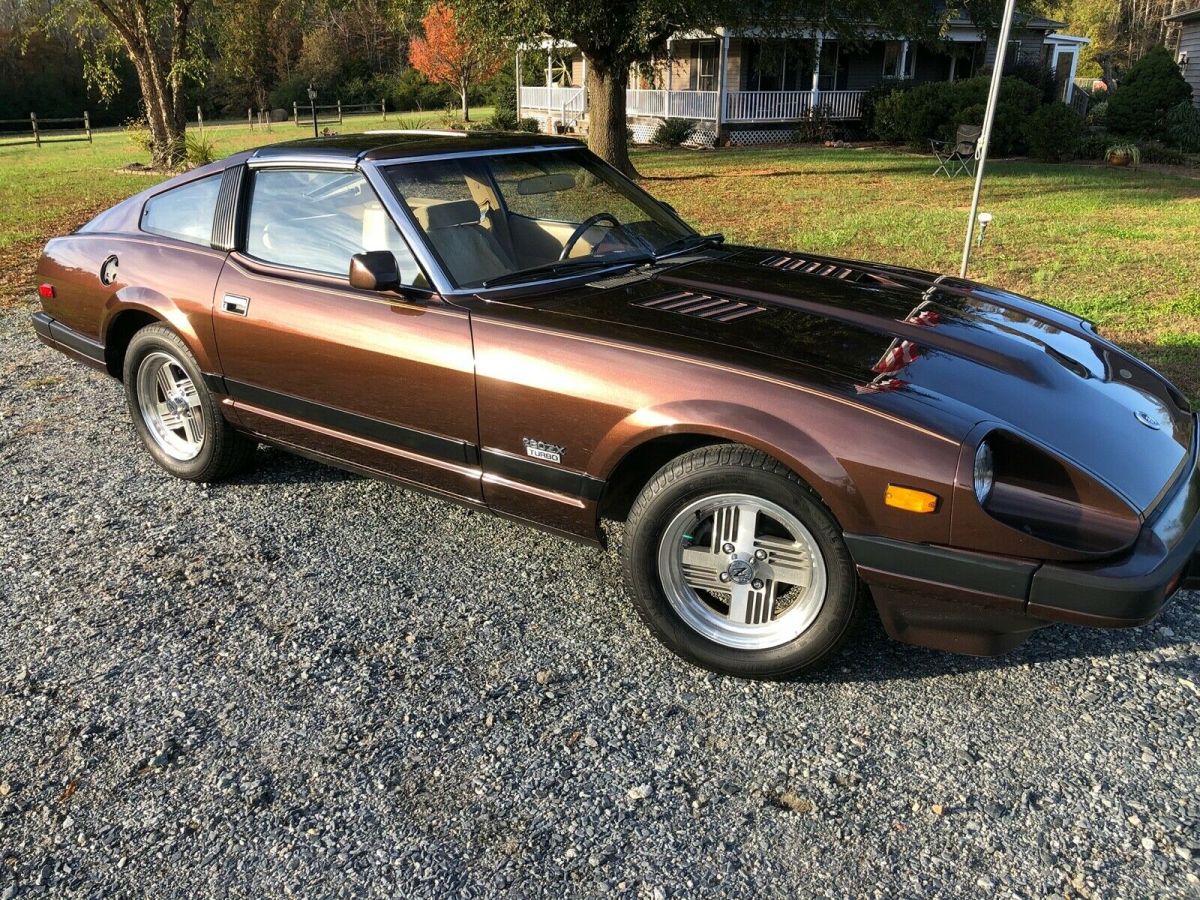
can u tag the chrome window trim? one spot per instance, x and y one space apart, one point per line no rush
243 218
300 161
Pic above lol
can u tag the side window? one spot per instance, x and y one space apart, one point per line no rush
184 212
318 220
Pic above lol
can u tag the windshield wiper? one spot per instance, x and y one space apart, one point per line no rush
688 242
567 265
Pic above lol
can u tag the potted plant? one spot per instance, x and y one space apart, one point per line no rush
1126 154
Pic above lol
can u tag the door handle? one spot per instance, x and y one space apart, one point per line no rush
232 303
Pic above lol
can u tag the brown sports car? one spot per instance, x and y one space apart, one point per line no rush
507 322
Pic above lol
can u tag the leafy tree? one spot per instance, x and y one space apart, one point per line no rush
257 41
615 36
157 38
1139 107
453 53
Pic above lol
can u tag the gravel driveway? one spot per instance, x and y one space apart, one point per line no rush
307 683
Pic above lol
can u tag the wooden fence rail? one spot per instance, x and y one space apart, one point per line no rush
303 115
34 127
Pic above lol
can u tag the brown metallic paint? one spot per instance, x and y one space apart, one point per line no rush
394 360
585 367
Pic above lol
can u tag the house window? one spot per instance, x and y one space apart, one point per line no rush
1012 54
898 61
782 65
702 75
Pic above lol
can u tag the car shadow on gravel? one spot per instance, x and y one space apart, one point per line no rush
275 466
871 656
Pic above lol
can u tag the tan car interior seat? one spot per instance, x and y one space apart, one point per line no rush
470 251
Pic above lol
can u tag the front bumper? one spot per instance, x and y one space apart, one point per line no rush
981 604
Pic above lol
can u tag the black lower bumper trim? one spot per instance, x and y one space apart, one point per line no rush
961 569
50 329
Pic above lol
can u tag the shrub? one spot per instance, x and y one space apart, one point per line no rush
1183 127
1018 101
817 128
1158 152
531 126
1093 145
1097 113
199 150
673 132
501 94
871 100
138 132
887 121
1139 106
1054 132
1035 74
504 119
936 109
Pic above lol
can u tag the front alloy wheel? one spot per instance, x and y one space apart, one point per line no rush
742 571
737 566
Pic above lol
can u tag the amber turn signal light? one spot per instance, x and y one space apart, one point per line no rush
910 499
46 291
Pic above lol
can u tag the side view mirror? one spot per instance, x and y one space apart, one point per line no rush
375 270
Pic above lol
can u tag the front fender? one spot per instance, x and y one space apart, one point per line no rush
742 424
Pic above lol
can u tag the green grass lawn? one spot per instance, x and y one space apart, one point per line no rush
1116 246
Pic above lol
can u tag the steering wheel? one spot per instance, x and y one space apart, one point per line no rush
582 228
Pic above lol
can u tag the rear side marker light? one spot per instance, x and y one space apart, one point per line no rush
46 291
910 499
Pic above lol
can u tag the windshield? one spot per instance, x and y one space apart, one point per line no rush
510 217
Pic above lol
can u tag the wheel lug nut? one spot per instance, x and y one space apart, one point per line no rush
760 554
757 584
724 576
728 548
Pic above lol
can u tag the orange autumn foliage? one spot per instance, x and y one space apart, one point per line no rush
449 54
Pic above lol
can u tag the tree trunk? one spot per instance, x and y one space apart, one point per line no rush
466 109
608 136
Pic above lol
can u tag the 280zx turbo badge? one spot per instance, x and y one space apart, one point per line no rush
542 450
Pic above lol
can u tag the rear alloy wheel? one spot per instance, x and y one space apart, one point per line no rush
736 566
175 414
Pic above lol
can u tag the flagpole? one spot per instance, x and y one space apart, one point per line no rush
989 117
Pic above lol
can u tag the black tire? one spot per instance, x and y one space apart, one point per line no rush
734 468
224 451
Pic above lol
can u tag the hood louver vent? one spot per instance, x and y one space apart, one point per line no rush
811 267
702 306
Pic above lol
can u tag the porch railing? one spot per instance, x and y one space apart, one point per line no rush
783 106
672 104
740 106
563 100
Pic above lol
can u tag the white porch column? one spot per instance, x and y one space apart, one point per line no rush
818 44
518 68
583 72
1074 68
722 81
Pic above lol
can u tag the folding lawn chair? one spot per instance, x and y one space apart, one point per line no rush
959 156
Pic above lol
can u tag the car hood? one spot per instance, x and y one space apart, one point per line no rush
944 352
